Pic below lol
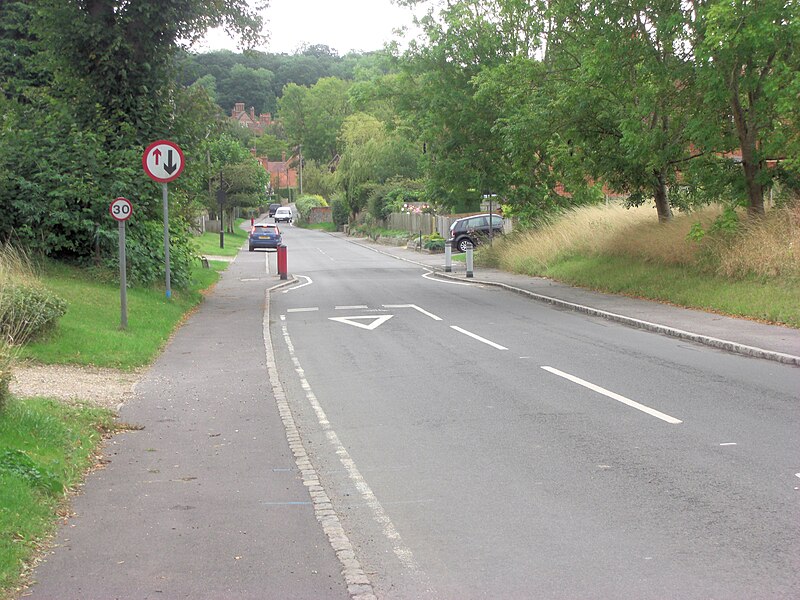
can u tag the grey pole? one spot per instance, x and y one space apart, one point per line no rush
469 260
166 236
448 257
123 279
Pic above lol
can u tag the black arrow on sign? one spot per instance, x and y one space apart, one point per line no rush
170 166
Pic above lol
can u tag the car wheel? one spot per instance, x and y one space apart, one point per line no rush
251 248
464 243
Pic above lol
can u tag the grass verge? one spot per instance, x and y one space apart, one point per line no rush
751 269
207 244
89 333
45 448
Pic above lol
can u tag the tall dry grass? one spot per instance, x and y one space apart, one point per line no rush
767 247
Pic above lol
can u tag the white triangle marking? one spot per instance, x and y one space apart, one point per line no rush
355 321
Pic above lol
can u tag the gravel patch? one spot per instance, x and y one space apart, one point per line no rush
104 387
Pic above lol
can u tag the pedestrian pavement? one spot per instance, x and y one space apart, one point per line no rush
732 334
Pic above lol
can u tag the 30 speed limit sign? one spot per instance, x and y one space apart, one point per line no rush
121 209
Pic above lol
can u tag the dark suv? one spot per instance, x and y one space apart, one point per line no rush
272 208
473 230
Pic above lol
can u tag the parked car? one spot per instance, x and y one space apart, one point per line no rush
473 230
284 213
272 208
264 235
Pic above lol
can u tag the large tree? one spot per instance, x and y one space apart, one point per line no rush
749 67
114 57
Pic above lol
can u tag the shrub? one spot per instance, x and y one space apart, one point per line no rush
306 202
28 311
340 211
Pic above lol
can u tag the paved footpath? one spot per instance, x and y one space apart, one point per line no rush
205 501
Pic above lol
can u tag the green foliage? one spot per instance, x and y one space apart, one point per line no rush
306 202
145 254
434 242
20 464
390 197
28 311
45 447
340 210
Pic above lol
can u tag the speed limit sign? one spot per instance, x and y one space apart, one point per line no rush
121 209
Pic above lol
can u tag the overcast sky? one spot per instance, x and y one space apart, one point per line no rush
343 25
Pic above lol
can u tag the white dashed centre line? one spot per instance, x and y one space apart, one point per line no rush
596 388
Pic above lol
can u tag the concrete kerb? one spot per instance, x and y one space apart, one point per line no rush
718 343
639 324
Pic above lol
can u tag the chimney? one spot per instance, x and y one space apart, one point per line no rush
265 118
283 156
252 113
238 109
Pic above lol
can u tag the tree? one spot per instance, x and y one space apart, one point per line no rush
626 93
437 94
114 57
749 60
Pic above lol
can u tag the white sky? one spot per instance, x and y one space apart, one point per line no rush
344 25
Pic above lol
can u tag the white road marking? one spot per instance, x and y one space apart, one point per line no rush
429 277
596 388
477 337
728 444
353 307
326 254
297 287
415 307
296 310
399 548
352 571
356 321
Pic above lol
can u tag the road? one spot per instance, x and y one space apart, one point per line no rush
476 444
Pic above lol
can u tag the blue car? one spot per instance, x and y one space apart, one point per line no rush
265 235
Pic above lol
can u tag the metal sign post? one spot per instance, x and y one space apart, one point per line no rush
121 209
163 162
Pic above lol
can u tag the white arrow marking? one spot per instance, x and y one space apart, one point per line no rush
355 321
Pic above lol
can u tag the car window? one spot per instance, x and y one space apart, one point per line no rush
497 221
265 229
476 222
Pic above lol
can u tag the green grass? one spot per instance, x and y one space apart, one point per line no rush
89 333
207 244
766 300
330 227
45 448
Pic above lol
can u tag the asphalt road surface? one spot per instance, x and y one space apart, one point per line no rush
476 444
368 430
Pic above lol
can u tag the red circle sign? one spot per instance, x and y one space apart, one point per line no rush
121 209
163 161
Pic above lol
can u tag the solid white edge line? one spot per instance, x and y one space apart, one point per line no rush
430 276
296 310
596 388
358 584
399 548
477 337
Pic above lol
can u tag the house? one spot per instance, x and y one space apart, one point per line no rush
248 118
282 173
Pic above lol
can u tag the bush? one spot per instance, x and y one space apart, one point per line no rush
145 254
434 242
340 211
306 202
28 312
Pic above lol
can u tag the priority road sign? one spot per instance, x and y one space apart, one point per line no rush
163 161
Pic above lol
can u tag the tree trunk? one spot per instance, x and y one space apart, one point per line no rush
752 165
662 202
